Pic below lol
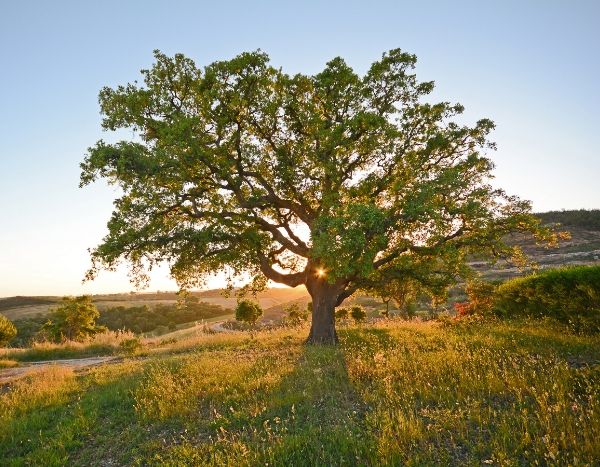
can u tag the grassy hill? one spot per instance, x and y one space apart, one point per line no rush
391 394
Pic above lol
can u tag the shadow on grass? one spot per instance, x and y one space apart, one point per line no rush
310 416
302 410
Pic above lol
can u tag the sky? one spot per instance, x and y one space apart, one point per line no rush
531 66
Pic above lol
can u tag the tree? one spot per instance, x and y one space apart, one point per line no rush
7 330
248 312
295 314
336 181
75 319
358 313
404 293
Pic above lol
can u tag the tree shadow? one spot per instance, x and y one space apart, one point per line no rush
312 416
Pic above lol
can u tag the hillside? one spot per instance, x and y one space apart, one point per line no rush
28 307
391 394
582 248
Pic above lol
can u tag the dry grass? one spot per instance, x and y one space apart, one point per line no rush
391 394
8 363
106 343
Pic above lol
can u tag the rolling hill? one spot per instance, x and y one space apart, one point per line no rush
582 248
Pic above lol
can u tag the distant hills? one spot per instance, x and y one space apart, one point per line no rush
582 248
580 218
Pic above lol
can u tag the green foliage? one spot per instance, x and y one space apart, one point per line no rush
75 319
341 313
7 330
28 328
295 314
358 314
248 312
145 319
404 293
582 218
571 295
131 346
409 311
231 160
138 319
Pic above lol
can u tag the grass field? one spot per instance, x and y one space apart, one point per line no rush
393 393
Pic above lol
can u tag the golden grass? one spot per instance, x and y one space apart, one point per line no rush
391 394
105 343
4 363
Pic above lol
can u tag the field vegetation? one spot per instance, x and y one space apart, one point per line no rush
160 318
414 393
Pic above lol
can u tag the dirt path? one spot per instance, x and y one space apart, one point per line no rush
218 327
77 364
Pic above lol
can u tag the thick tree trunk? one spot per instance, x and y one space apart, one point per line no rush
324 298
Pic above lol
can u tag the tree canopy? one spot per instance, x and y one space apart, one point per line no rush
337 181
75 319
248 312
7 330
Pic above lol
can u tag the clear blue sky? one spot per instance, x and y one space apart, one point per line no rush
531 66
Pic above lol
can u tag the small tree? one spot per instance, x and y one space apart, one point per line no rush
75 319
248 312
296 314
7 330
358 314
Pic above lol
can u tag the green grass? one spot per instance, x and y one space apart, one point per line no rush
390 394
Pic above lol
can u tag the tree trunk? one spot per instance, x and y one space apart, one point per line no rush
324 298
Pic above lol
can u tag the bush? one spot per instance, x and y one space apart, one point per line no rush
248 312
358 314
341 313
7 330
481 296
131 346
570 295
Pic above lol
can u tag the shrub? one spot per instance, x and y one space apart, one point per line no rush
358 314
341 313
481 296
570 295
7 330
248 312
131 346
462 309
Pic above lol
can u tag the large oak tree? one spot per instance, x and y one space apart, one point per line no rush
336 181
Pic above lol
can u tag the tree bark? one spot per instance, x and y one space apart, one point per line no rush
324 298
